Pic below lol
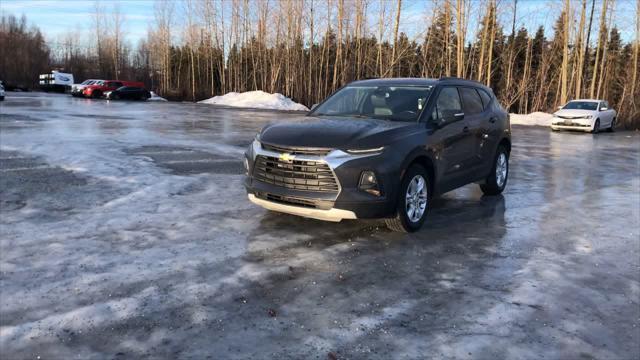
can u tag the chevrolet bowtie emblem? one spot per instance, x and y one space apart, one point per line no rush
286 157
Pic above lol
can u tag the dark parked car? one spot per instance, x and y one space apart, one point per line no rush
129 93
382 148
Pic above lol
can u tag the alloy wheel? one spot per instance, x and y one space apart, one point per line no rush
416 198
501 169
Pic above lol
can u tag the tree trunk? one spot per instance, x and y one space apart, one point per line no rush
602 33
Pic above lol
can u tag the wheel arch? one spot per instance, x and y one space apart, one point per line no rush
424 159
506 142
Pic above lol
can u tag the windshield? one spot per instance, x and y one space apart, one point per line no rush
396 103
581 105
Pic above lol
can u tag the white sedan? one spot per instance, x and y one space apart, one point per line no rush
585 115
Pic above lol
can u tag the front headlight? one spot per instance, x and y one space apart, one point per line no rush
366 151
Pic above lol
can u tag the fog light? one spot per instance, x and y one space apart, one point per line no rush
369 183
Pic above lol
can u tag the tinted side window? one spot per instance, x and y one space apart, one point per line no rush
486 98
447 105
471 100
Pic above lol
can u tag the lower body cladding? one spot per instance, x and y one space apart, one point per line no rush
293 186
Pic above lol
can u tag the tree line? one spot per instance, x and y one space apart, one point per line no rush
306 49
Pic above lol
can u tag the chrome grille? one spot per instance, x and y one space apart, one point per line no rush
295 174
296 151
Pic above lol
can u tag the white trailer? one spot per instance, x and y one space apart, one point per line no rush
56 81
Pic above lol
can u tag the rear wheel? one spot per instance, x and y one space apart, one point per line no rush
495 183
413 201
612 128
596 127
96 94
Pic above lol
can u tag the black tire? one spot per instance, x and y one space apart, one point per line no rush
401 222
96 94
596 127
492 185
612 128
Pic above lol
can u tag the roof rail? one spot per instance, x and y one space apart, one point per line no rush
457 78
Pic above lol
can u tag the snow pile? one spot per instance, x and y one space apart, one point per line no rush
155 97
533 119
256 99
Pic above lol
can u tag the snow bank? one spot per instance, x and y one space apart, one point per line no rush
155 97
533 119
256 99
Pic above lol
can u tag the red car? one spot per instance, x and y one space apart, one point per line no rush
98 89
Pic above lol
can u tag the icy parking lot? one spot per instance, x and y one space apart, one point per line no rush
125 232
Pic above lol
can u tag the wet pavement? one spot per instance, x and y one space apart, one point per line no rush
125 232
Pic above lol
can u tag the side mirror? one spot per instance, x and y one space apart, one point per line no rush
604 108
560 107
313 106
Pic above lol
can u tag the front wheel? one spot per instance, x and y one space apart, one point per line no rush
413 201
495 183
596 127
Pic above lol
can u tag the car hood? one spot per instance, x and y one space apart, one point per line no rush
336 133
574 112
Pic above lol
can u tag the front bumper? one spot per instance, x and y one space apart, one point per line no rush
576 127
331 214
349 202
573 124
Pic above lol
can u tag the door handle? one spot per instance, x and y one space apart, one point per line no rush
465 129
493 119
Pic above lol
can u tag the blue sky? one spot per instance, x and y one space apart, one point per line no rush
56 17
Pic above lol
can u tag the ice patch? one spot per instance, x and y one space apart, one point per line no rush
257 100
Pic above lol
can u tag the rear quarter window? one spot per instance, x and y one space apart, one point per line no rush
486 98
471 101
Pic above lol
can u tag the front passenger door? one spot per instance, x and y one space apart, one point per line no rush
452 132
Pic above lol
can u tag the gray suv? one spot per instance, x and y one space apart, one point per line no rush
382 148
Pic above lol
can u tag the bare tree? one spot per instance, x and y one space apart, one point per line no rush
565 52
602 39
117 21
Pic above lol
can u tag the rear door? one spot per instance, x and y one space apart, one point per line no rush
479 124
609 114
455 140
